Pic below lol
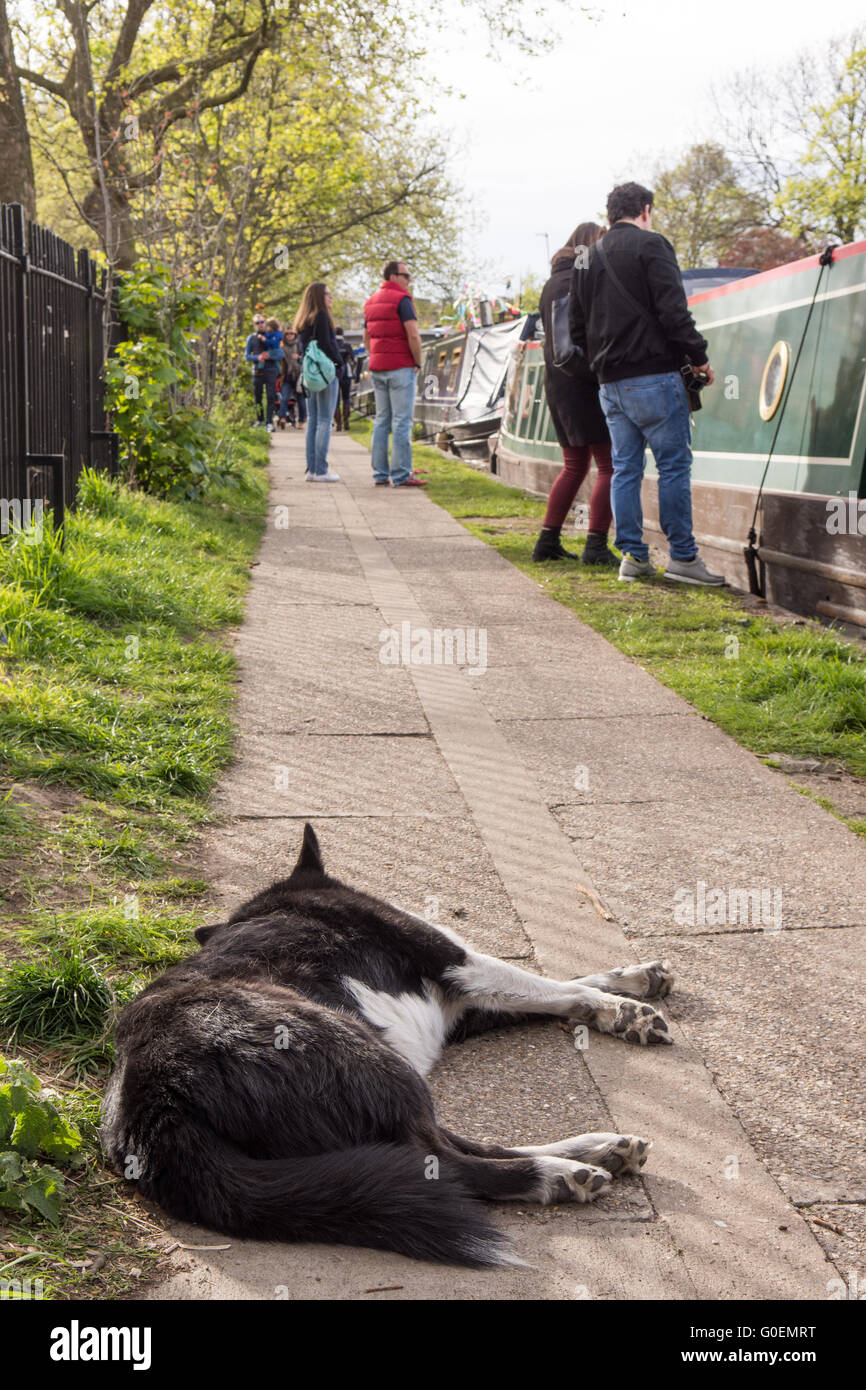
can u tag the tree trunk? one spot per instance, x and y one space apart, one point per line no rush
17 184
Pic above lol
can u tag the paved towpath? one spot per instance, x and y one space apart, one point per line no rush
561 809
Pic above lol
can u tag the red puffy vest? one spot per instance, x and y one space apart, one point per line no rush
389 346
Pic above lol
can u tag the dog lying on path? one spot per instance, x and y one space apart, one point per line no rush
272 1086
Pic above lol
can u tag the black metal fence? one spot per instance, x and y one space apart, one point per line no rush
52 414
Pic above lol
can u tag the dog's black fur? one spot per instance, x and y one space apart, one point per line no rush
251 1095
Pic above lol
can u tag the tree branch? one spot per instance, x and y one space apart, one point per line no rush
47 84
132 20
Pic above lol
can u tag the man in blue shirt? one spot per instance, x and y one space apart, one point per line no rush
264 372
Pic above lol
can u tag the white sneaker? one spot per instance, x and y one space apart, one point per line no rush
270 429
328 477
308 476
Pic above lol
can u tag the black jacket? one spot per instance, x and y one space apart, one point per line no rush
619 342
320 330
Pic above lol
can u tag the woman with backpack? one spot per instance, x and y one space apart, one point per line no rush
320 357
578 419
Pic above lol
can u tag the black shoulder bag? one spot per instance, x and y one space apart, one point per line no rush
692 380
567 356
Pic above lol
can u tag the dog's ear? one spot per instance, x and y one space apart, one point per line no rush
310 858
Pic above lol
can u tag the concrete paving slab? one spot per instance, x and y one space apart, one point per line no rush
316 668
792 1075
588 761
652 860
294 775
570 689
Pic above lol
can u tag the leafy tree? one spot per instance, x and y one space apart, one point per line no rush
701 206
798 134
829 197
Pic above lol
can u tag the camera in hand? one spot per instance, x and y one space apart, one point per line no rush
694 383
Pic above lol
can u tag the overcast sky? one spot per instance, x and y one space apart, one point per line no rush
540 156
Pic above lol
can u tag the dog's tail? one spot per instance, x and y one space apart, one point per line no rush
389 1196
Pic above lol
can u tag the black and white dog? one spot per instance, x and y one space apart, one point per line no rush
271 1086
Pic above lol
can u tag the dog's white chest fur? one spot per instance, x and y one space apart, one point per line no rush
415 1025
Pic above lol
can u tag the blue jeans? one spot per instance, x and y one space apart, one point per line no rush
320 414
654 411
394 392
265 383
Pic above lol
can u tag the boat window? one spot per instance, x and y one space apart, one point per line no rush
443 358
773 380
455 368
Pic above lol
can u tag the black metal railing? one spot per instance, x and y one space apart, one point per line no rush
53 421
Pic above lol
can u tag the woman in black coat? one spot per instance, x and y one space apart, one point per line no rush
579 424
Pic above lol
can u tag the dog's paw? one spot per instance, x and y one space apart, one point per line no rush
615 1153
565 1180
652 980
659 979
627 1154
626 1018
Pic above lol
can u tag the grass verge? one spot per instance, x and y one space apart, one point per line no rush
115 697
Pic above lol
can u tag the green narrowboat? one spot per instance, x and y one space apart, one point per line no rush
780 441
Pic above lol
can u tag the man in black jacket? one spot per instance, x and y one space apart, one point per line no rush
628 314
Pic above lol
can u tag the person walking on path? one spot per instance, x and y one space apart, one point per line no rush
393 340
287 383
347 376
257 355
628 314
314 323
578 419
271 337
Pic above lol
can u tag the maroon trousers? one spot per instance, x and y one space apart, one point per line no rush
575 467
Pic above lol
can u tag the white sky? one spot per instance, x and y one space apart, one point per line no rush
541 155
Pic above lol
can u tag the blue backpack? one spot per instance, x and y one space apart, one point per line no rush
318 370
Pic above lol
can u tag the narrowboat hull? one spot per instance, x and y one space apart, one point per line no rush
782 441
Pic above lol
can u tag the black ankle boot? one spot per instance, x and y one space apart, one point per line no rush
549 547
597 551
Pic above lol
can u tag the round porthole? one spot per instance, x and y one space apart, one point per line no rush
773 380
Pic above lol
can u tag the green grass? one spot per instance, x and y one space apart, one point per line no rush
63 998
777 687
115 720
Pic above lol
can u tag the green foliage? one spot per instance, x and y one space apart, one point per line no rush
829 196
171 448
701 206
31 1129
117 687
54 1000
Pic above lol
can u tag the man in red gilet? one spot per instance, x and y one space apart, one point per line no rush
393 340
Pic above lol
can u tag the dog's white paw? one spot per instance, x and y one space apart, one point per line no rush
616 1153
652 980
626 1018
627 1153
564 1180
